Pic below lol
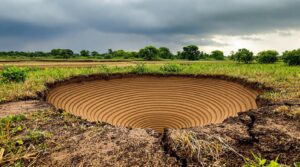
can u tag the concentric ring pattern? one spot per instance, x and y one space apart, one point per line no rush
154 102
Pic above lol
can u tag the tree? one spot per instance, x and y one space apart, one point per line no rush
292 58
217 54
165 53
62 53
190 52
110 51
85 53
94 53
267 57
119 53
149 53
244 56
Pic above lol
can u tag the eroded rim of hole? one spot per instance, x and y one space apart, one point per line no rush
157 124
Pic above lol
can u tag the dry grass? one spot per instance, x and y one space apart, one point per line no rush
204 150
290 110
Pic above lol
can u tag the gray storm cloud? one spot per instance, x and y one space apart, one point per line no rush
43 24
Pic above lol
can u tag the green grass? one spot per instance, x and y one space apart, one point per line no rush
17 142
286 79
259 161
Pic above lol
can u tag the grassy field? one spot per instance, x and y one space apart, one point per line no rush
73 63
24 140
285 79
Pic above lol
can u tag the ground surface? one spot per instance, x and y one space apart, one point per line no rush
264 131
21 107
55 138
269 131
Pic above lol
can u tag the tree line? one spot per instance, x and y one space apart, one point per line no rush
150 53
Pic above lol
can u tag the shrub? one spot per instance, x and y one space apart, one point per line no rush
171 68
62 53
191 52
217 54
108 56
149 53
292 58
14 74
165 53
140 68
267 57
85 53
243 56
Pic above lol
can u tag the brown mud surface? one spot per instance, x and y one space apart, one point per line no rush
154 102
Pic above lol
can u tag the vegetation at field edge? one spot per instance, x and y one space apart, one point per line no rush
285 79
150 53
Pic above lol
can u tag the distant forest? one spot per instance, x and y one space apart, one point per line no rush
150 53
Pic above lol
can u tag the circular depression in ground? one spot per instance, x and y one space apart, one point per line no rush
154 102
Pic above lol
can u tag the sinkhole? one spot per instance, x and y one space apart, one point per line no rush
154 102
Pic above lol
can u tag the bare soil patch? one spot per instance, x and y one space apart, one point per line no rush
21 107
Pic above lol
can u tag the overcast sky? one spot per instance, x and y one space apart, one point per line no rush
31 25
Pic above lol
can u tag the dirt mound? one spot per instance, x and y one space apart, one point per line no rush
154 102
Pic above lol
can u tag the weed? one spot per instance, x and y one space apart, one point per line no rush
36 136
171 68
11 119
15 147
105 69
258 161
140 68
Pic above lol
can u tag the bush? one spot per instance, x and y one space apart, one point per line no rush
140 68
171 68
62 53
149 53
292 58
243 56
165 53
217 55
14 74
267 57
191 52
